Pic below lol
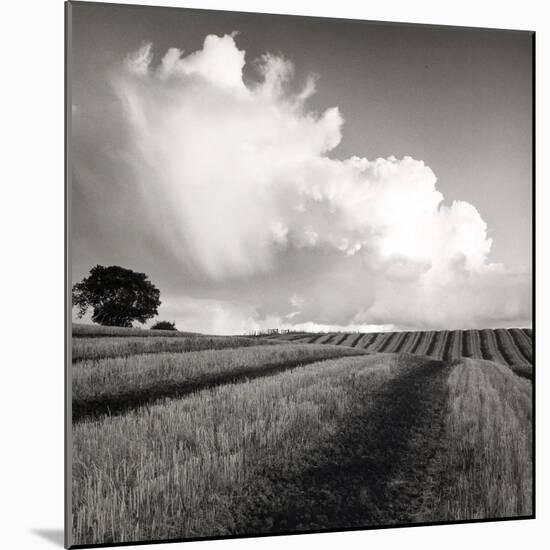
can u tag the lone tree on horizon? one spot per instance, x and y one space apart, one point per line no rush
117 295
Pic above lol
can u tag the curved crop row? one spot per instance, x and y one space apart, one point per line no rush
473 344
517 361
388 344
103 347
304 339
366 340
490 348
121 383
339 339
523 342
417 343
410 342
511 347
354 339
396 343
439 344
425 343
508 348
347 339
522 335
329 338
379 342
194 464
454 348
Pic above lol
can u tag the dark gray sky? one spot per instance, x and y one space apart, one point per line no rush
457 99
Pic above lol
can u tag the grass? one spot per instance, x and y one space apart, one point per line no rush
175 469
252 444
81 330
374 469
487 468
86 348
116 384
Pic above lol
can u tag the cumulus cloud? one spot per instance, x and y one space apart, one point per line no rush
236 180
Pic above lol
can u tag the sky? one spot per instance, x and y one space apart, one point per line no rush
290 172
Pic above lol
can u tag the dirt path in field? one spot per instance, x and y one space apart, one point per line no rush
120 404
380 469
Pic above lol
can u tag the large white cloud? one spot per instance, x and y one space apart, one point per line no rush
235 179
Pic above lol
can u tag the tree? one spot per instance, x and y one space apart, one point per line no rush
117 295
164 325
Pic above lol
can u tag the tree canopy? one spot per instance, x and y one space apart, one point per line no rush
118 296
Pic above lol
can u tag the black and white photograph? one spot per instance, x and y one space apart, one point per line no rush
300 285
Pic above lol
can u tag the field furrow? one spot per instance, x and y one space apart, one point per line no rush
118 384
464 350
394 344
259 457
473 344
439 344
378 342
366 340
511 352
524 343
306 339
491 349
353 339
424 343
511 347
353 431
410 342
454 347
418 343
101 347
389 342
339 339
432 344
376 483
